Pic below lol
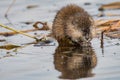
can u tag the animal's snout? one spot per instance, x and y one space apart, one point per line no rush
87 38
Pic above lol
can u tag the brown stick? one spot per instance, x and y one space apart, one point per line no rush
102 42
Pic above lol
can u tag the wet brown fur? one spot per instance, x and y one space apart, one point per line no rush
62 24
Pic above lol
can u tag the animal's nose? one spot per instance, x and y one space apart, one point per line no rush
87 38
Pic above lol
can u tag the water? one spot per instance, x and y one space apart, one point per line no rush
52 62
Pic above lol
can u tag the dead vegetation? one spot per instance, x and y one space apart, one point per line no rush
9 46
106 26
35 25
110 6
114 5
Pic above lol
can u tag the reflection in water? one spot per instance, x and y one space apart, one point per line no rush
74 63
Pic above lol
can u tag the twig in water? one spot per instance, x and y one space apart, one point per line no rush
102 38
20 32
6 13
102 42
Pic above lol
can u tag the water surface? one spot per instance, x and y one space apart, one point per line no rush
53 62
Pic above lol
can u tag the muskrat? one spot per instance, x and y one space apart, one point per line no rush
72 26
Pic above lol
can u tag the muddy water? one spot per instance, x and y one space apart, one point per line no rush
40 62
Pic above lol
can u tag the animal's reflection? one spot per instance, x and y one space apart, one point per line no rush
74 63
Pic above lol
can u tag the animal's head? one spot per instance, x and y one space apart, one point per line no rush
79 28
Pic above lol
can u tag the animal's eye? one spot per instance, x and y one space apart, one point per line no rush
76 20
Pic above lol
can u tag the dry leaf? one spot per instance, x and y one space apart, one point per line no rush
9 46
